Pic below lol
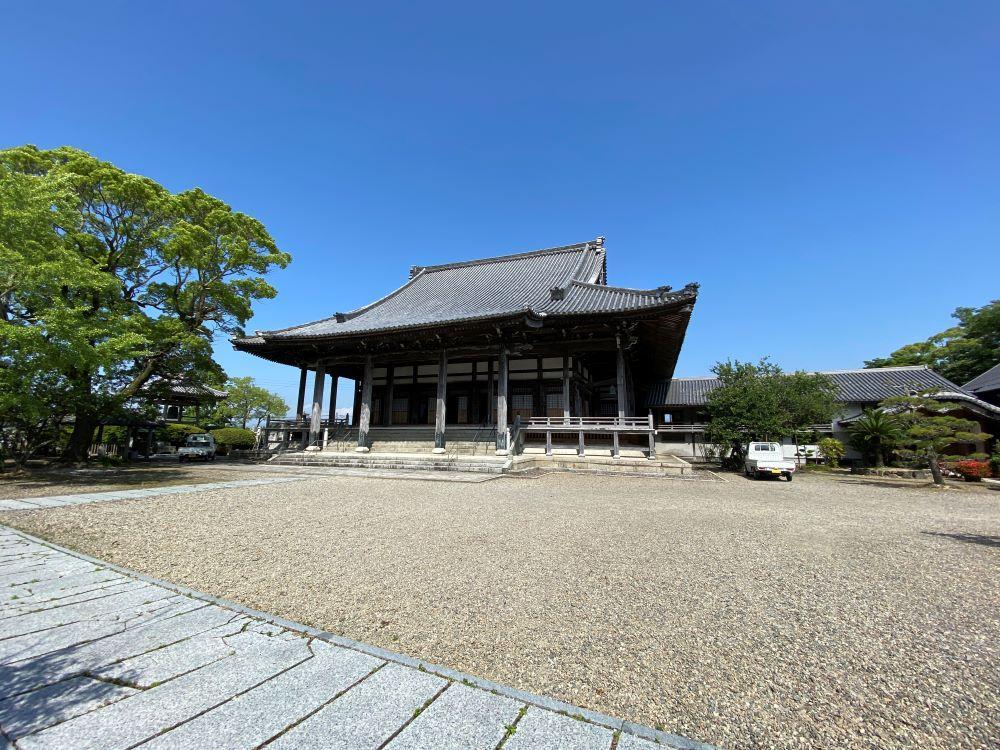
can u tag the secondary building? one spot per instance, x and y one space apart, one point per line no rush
680 405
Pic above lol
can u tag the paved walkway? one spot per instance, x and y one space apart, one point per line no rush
95 656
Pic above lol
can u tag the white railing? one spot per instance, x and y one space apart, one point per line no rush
583 426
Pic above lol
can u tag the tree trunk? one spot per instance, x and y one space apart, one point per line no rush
932 459
80 439
879 457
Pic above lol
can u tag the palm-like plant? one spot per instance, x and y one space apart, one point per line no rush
874 433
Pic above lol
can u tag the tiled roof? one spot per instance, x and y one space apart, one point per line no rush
682 392
566 280
853 386
988 381
180 388
878 383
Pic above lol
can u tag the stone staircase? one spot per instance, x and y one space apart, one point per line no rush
395 461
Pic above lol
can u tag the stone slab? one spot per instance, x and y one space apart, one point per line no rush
462 718
57 664
34 644
162 664
545 730
38 575
56 703
365 716
146 714
84 610
29 604
256 716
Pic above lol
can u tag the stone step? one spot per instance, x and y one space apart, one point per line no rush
389 462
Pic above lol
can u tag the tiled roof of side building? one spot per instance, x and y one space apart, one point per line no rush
987 381
566 280
853 386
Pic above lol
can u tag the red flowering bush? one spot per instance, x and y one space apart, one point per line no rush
973 471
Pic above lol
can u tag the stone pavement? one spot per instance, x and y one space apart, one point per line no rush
95 656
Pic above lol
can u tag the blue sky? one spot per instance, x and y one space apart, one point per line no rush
828 171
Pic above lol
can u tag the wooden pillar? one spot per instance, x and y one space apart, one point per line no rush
474 417
316 414
490 391
334 379
390 374
356 406
300 404
502 377
364 420
565 392
620 382
652 437
441 409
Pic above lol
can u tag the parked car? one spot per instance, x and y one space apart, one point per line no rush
767 460
200 446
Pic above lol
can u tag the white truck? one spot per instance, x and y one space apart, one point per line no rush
767 460
197 446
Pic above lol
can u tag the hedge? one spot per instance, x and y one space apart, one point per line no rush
234 438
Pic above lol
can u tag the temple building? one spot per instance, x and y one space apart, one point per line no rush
492 350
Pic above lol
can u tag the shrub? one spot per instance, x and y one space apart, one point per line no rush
995 461
233 438
176 434
833 450
972 471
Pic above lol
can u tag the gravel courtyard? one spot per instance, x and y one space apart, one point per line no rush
818 614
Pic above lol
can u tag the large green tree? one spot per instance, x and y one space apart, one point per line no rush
109 279
248 404
760 402
960 353
929 427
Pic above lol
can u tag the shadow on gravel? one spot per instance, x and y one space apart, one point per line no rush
984 539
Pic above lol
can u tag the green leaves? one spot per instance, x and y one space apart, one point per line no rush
760 402
929 427
875 433
248 404
959 353
107 279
